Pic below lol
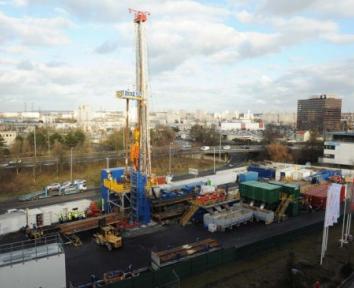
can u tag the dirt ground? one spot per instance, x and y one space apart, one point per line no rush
273 267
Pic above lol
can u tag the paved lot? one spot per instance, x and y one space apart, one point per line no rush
92 259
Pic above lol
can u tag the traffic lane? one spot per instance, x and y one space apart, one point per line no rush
91 194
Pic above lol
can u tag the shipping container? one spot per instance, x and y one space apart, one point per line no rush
51 214
289 188
263 172
317 196
248 176
34 217
259 191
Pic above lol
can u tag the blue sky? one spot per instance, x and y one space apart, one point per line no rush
258 55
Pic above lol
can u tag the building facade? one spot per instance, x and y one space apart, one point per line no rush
321 114
339 149
9 137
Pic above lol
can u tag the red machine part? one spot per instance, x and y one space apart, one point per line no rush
93 210
210 198
317 196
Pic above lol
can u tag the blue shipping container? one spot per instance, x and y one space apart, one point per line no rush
248 176
263 172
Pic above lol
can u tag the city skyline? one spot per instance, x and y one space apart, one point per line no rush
244 55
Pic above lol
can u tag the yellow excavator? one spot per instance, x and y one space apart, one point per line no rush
109 237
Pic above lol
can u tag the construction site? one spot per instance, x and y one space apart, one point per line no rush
147 230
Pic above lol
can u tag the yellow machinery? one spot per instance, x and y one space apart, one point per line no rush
34 233
109 237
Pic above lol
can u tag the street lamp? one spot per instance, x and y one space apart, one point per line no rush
220 145
214 160
35 153
107 162
170 160
71 164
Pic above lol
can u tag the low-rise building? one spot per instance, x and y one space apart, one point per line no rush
9 137
303 136
241 125
339 149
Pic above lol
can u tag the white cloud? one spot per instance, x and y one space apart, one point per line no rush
195 53
33 31
341 8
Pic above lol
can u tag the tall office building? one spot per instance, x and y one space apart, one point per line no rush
321 114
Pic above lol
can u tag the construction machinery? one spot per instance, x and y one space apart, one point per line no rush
34 233
108 237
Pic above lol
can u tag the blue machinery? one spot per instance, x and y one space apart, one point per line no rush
140 204
115 192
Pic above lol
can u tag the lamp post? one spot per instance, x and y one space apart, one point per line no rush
107 162
170 160
214 160
220 145
71 164
35 153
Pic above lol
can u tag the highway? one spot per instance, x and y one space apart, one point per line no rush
236 160
91 194
28 162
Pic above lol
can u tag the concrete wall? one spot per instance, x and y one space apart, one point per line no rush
343 153
41 273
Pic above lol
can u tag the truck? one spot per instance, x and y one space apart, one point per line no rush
108 236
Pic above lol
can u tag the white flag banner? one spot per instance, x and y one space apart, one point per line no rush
333 204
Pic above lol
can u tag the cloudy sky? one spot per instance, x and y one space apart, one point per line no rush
217 55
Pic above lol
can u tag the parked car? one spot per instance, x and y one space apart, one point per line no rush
70 189
14 163
186 146
66 184
227 147
205 148
53 186
81 184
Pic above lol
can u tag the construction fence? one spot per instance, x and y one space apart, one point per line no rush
171 275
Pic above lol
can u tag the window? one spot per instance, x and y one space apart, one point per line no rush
330 156
330 147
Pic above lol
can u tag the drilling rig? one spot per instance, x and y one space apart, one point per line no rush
132 182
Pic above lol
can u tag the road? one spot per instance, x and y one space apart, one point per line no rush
28 162
236 159
91 194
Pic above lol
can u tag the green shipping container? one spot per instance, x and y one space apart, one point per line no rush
291 189
260 191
